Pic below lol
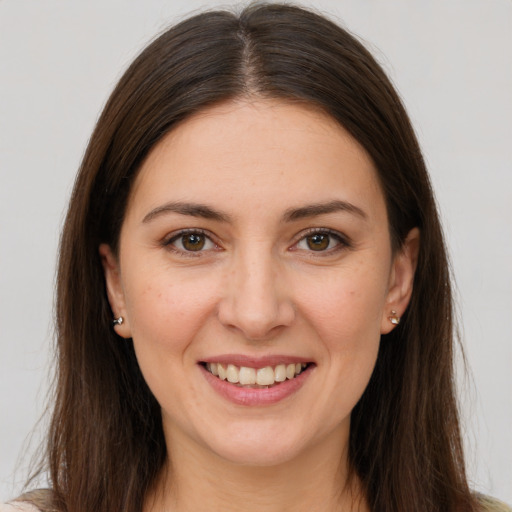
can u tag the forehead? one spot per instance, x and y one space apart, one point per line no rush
263 153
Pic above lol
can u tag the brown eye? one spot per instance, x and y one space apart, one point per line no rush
193 241
318 241
322 241
190 241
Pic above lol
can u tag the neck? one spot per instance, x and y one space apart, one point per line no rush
197 479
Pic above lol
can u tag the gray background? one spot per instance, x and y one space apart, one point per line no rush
452 62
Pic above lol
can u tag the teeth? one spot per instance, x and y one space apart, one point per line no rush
245 376
265 376
213 368
221 371
232 373
280 373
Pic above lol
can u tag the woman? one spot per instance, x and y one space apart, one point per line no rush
253 302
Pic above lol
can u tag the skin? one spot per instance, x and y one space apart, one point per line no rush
257 289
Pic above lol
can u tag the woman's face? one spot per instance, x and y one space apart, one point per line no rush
256 246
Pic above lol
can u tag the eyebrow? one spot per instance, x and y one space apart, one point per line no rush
323 208
191 209
292 214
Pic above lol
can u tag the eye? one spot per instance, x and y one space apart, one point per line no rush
190 241
321 241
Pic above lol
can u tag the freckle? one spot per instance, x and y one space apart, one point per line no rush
147 290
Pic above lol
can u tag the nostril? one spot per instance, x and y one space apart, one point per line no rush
256 321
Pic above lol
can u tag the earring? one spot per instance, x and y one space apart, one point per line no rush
117 321
394 318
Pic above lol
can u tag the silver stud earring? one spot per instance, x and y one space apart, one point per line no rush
394 318
117 321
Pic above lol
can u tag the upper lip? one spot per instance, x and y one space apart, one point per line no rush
254 361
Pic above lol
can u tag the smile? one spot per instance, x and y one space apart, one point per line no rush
255 378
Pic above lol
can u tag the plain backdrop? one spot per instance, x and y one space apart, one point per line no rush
451 60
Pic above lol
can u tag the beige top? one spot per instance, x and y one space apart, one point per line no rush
18 506
488 505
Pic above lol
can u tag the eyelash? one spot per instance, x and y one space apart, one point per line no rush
168 242
342 242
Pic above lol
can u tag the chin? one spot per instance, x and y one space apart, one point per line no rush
259 449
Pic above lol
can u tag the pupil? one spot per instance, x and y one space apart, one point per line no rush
193 242
318 242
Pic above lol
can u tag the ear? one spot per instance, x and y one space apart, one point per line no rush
115 291
401 280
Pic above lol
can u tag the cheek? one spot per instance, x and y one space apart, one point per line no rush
351 347
165 318
345 311
166 313
346 304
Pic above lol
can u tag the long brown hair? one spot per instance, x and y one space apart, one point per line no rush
106 445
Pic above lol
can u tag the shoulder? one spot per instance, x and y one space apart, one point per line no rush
18 506
36 500
489 504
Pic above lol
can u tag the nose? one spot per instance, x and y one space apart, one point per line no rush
256 300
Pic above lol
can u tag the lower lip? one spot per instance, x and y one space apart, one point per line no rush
256 396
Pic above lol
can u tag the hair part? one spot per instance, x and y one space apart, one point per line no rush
106 445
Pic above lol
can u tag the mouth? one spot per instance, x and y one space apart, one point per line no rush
256 378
